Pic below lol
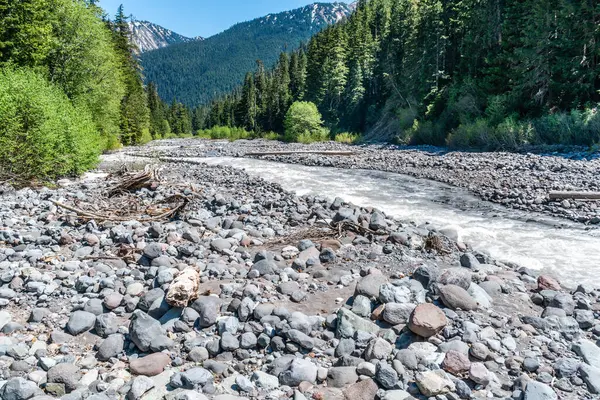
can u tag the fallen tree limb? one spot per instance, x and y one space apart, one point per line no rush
163 214
575 195
291 153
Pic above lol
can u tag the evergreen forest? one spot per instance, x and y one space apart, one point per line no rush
486 74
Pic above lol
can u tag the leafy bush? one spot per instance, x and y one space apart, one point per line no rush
304 123
307 138
346 137
471 135
574 128
224 132
42 134
271 136
426 132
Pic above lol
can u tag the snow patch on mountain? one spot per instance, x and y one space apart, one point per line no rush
148 36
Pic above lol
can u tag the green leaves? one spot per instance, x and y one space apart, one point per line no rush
303 123
42 134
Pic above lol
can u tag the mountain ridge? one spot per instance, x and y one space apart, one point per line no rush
196 72
148 36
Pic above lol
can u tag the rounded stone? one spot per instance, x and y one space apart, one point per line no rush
427 320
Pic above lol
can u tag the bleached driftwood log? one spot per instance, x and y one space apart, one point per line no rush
291 153
575 195
184 288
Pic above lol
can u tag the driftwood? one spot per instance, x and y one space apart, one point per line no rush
135 181
153 213
575 195
185 288
291 153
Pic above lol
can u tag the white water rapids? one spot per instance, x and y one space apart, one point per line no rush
571 253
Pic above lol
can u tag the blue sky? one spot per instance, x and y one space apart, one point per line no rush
200 17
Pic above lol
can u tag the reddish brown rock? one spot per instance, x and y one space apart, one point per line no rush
427 320
546 282
151 365
456 363
364 390
378 312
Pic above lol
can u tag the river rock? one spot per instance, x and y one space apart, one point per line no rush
139 387
588 351
145 330
456 276
455 297
349 323
340 377
5 318
67 374
546 282
386 376
539 391
433 383
208 307
479 374
468 260
363 390
456 363
112 346
150 365
370 284
591 377
80 321
396 314
299 371
18 389
265 381
427 320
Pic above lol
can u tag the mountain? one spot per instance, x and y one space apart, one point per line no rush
197 72
148 36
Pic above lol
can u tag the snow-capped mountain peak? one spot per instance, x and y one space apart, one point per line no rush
148 36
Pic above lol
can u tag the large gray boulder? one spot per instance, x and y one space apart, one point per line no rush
300 370
208 307
144 330
80 321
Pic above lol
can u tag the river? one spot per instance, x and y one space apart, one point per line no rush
563 248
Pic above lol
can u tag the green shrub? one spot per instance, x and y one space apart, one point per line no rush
224 132
426 132
346 137
574 128
307 138
271 136
42 134
304 123
476 135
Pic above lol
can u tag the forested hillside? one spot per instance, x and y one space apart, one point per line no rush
476 73
197 72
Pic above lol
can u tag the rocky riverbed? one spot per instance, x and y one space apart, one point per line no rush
519 181
252 292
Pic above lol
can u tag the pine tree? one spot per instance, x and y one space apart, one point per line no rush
248 106
135 115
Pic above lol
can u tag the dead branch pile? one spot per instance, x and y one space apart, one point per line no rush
435 243
131 182
347 226
121 201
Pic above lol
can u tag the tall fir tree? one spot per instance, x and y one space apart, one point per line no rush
135 115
